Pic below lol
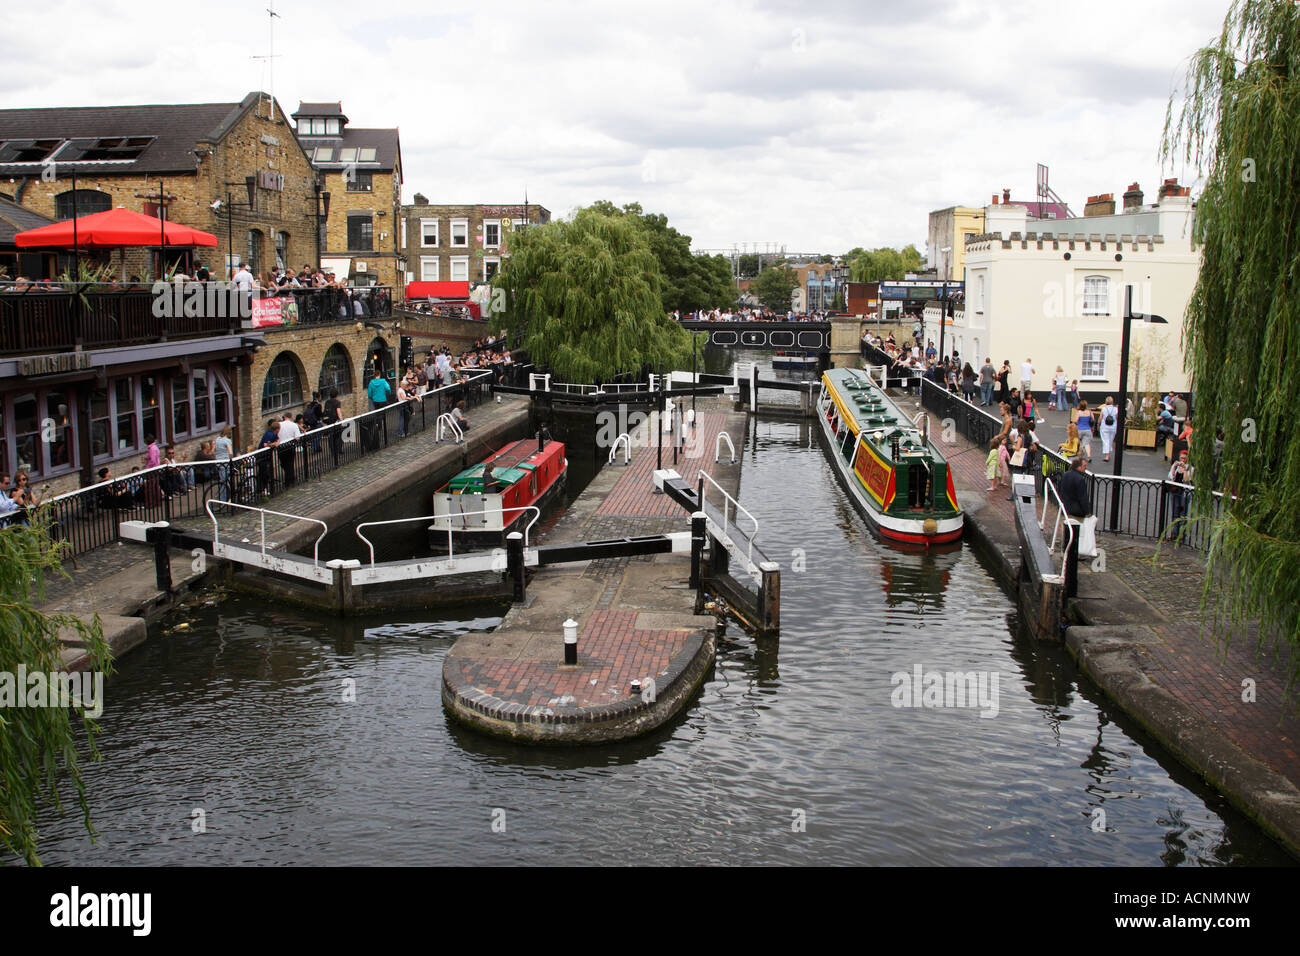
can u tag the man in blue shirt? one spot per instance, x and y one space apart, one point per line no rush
378 391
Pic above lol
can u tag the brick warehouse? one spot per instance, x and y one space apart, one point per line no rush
361 171
190 159
461 243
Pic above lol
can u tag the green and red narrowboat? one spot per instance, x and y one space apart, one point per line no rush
895 475
524 473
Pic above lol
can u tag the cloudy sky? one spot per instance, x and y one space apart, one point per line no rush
814 126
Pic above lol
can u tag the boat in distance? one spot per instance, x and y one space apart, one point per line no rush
895 475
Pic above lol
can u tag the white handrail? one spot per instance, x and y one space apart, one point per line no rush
1060 512
448 420
626 441
451 555
925 429
726 514
717 447
207 506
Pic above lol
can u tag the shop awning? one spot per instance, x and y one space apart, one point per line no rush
111 229
458 291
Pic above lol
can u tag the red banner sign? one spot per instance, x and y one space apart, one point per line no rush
267 312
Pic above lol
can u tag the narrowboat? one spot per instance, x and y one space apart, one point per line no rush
895 475
523 473
795 360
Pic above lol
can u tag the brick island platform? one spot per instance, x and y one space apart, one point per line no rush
636 616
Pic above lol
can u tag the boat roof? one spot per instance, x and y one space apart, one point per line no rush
509 464
867 408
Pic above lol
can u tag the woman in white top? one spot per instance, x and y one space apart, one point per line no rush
1109 424
1062 383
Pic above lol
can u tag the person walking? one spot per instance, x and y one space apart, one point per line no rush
378 390
968 382
1109 424
1062 382
988 375
1027 372
1004 375
1083 424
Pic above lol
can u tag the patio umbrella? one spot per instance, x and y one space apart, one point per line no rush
114 228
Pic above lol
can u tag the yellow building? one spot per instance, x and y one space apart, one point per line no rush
361 170
946 244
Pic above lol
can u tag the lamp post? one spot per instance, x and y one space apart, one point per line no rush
1120 412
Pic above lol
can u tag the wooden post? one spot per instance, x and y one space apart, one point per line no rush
769 597
515 566
161 534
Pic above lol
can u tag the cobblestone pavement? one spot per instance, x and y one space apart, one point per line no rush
1190 658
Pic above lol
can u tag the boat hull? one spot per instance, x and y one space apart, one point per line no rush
482 540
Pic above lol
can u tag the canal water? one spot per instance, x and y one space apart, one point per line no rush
297 738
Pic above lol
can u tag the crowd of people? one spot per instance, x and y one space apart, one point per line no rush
754 314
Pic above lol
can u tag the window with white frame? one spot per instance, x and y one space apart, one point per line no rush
1094 362
460 269
428 233
491 266
492 233
460 233
1096 295
428 268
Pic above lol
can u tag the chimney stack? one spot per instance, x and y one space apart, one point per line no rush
1132 197
421 199
995 199
1103 205
1006 196
1170 187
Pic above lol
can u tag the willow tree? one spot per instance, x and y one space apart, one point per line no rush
584 296
38 744
1239 123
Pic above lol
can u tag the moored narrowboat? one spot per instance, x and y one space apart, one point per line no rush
484 503
895 475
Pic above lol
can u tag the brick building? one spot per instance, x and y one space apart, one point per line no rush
464 243
231 169
361 170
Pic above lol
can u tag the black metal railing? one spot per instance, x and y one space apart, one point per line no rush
1140 507
329 304
89 517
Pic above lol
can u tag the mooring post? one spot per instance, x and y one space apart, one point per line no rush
515 566
769 597
753 387
570 641
161 536
697 547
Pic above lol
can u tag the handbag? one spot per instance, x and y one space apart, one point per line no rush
1018 459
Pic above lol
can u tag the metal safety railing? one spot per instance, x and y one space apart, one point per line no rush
729 504
263 512
717 447
1061 518
447 425
625 440
451 554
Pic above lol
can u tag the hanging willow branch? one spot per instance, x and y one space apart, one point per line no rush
1239 123
585 294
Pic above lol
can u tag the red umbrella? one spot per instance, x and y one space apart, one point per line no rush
114 228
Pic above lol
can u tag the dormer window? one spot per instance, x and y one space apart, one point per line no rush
332 127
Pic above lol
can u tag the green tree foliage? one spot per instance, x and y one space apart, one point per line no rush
774 286
38 749
747 265
584 295
689 282
875 265
1238 123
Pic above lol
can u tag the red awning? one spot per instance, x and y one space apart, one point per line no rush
437 290
114 228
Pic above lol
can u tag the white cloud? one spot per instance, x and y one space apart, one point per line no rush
818 127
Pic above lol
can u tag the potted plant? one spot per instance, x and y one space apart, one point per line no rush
1140 423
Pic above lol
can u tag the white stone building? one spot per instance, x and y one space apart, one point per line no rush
1052 290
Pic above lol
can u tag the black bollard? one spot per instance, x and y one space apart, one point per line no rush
515 566
161 536
571 641
697 547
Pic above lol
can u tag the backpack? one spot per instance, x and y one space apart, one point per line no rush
1110 420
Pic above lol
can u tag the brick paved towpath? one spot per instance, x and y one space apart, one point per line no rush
1141 638
635 615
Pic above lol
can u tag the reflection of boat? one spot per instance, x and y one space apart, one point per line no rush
785 359
523 473
918 575
893 472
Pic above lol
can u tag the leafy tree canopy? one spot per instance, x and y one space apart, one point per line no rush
875 265
1237 123
584 295
774 286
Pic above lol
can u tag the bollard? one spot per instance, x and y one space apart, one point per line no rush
161 535
769 597
515 566
697 547
1072 565
570 641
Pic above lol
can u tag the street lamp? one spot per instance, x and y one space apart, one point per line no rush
1120 413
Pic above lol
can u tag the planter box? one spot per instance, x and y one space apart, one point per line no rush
1139 438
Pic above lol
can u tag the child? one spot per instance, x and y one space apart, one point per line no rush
1004 464
991 463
